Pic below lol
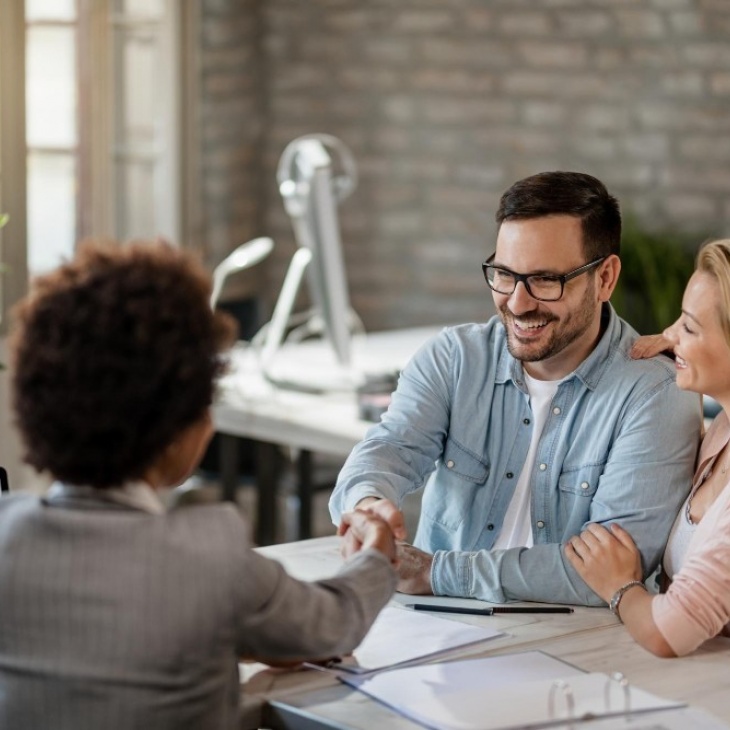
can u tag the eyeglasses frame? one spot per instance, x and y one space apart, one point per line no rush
562 278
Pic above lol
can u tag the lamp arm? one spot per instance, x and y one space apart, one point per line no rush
285 304
244 257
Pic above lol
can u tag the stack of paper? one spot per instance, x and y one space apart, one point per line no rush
399 637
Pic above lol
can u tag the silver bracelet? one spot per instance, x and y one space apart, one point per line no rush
616 597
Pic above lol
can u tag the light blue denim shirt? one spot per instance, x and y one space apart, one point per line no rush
619 446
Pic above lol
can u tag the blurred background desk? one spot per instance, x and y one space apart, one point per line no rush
251 406
591 639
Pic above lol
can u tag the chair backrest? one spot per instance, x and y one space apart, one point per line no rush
4 483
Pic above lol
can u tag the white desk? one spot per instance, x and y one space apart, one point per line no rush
250 406
590 638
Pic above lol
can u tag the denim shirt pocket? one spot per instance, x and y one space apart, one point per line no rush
453 488
577 487
463 463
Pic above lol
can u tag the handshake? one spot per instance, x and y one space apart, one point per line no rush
379 524
363 529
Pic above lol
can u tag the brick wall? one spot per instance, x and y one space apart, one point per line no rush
232 127
445 105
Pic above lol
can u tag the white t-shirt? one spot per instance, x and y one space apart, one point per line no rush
517 527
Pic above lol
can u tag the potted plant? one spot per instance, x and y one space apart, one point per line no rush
655 267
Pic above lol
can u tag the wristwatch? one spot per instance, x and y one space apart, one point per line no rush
616 597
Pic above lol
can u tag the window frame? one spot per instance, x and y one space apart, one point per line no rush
13 180
95 168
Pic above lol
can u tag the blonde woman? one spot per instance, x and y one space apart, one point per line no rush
696 604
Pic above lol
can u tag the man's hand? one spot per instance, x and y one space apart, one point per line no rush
363 530
384 509
414 570
605 559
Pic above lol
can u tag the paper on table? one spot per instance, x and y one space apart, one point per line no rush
497 693
399 636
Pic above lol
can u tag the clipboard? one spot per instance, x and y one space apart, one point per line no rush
524 690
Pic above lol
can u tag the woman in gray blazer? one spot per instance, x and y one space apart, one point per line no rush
115 612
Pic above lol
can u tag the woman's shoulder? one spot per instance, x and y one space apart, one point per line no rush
222 519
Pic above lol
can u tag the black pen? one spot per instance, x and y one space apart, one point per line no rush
488 611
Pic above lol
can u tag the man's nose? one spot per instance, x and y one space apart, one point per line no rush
521 301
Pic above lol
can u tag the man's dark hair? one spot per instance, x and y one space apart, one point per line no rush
568 193
115 354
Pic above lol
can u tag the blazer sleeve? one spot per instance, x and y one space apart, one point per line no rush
280 617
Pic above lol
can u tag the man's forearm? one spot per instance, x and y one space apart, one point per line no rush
539 573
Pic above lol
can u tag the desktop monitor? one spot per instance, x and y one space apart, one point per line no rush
311 188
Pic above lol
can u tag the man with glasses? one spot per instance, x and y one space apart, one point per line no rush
528 427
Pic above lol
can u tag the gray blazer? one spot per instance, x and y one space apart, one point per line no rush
112 617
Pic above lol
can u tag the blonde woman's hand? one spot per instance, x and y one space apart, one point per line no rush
648 346
605 559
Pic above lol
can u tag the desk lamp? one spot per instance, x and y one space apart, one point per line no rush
244 257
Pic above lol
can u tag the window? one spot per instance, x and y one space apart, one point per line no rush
51 130
99 105
102 122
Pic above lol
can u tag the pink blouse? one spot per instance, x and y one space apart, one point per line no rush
696 606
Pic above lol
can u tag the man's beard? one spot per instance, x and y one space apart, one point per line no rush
567 331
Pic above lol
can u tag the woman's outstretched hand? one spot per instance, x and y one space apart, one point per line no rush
362 530
648 346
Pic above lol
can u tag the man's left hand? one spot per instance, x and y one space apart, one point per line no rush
414 570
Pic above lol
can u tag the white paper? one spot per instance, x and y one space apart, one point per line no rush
497 693
399 635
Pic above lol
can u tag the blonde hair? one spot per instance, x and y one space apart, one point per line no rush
714 259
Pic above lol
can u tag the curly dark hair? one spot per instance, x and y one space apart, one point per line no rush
568 193
114 355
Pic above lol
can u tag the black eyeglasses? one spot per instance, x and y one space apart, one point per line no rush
543 287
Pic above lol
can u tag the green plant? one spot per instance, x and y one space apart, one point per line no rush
655 267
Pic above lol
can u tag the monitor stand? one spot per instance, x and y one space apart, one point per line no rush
327 373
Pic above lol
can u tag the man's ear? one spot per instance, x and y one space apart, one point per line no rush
608 273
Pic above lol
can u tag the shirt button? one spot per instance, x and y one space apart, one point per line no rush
556 411
584 485
540 524
526 421
543 467
450 464
490 526
519 382
509 475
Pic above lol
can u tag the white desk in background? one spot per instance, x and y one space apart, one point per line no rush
590 638
250 406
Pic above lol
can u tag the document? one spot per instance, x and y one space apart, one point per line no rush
399 636
525 690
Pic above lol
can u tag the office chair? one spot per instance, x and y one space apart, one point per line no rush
4 484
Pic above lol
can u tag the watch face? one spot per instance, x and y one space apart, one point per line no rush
616 598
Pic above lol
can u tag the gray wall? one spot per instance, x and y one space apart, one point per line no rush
445 104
